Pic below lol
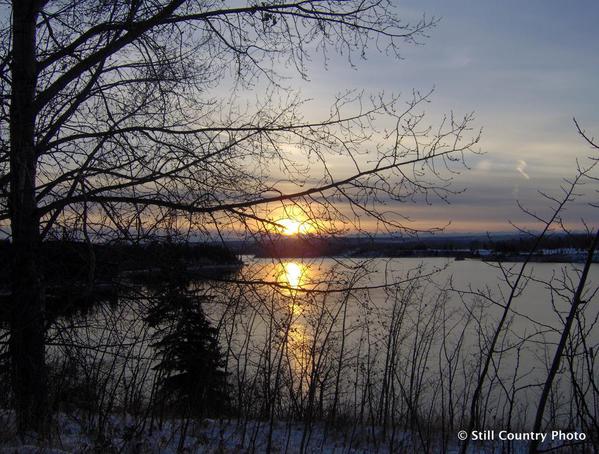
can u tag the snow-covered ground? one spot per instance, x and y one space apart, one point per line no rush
127 435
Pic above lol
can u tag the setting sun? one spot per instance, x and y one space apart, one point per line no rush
294 227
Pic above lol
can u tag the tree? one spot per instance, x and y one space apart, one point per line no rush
573 313
111 126
190 360
517 278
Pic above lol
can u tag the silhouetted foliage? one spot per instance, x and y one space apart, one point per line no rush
194 382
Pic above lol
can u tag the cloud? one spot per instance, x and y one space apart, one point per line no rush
484 165
521 167
459 60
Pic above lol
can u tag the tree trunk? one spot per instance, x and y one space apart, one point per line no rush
27 311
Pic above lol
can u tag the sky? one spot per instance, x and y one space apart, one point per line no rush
525 68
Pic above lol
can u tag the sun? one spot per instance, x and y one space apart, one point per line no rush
292 221
292 227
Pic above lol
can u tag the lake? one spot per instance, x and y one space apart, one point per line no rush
395 344
400 334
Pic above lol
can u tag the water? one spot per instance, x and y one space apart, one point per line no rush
410 330
391 342
534 304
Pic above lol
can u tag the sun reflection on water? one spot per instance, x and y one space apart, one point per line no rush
292 275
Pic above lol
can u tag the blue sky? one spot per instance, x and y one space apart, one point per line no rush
526 68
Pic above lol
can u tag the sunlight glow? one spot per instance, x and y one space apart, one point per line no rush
292 274
295 275
292 227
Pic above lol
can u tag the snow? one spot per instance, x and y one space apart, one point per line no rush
128 435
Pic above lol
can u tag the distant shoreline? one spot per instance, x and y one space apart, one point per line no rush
537 258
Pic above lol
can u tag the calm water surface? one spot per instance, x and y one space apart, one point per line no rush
311 305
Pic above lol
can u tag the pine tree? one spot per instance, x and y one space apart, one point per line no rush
194 382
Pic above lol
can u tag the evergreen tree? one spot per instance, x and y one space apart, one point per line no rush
194 381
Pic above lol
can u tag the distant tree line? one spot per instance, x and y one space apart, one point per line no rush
523 244
313 246
79 261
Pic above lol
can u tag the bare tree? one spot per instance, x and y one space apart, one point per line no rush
576 303
111 124
516 281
